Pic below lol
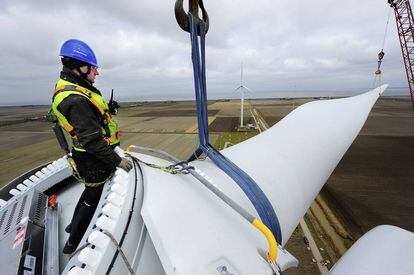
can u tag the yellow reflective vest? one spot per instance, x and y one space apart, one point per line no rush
109 127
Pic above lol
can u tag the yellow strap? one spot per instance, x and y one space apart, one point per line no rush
272 254
111 139
79 178
67 126
114 137
93 184
98 106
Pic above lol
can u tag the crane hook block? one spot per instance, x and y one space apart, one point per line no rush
182 17
381 55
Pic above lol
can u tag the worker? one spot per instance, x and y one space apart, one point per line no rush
82 111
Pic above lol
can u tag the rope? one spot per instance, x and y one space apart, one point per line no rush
175 168
118 247
386 28
111 237
128 265
377 79
163 168
78 249
378 72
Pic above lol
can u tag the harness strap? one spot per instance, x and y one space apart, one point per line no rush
114 137
69 128
106 117
77 176
82 90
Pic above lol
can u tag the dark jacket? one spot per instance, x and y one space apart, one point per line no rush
85 119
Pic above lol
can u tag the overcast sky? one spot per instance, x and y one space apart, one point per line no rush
287 47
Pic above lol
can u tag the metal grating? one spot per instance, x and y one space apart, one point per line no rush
3 216
22 206
32 204
40 207
11 216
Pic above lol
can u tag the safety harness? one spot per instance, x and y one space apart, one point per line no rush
105 119
109 128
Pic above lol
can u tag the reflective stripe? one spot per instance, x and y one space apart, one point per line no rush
78 149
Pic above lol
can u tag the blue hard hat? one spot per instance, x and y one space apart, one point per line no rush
79 50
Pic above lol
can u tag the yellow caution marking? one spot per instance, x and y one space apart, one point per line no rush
272 254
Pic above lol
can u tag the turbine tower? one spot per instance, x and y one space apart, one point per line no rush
242 88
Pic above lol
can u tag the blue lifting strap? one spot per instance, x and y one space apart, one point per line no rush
246 183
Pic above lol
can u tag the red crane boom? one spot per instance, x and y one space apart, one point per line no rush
405 21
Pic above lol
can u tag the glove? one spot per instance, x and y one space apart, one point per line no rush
113 107
125 164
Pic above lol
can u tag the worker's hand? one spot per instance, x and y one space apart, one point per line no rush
125 164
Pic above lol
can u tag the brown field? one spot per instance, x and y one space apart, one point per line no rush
175 113
372 185
297 248
228 124
156 124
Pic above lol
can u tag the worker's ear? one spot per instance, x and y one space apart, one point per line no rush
84 69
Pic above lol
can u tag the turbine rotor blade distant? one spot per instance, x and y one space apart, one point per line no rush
248 89
238 88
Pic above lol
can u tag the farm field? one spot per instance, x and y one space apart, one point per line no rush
372 184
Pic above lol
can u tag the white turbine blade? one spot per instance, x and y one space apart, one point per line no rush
385 249
248 90
238 88
290 162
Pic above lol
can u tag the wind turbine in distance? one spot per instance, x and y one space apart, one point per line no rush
242 88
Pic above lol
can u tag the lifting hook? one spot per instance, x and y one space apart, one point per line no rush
380 57
182 17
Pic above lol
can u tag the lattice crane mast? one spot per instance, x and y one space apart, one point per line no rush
405 23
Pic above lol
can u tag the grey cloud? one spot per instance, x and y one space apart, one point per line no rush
284 45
